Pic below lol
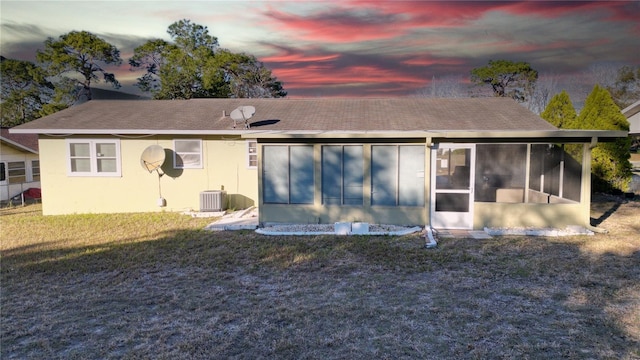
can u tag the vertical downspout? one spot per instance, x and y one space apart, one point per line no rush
260 192
431 243
427 179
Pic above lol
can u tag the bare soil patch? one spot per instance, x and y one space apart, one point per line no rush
157 286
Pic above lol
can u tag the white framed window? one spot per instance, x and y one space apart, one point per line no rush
35 170
252 154
93 157
17 172
187 154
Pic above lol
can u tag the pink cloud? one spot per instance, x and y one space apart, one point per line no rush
298 58
337 25
363 20
419 60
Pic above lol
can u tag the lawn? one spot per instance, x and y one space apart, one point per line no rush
158 286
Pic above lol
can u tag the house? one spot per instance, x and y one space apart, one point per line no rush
19 164
632 113
451 163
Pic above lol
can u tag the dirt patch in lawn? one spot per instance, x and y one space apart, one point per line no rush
171 290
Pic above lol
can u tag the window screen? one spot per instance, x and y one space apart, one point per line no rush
397 175
342 175
288 174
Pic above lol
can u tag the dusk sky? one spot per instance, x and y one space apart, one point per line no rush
351 47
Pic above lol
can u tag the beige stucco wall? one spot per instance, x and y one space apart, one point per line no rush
526 215
137 190
322 214
8 154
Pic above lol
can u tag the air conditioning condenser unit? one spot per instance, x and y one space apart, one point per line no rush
213 200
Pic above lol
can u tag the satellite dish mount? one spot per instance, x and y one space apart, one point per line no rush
151 160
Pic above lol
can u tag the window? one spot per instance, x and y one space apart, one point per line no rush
3 172
555 172
17 172
187 154
93 157
342 175
397 175
252 154
35 170
495 181
287 174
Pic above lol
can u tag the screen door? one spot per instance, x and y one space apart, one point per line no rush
452 174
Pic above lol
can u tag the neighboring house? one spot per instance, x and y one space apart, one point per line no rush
450 163
19 164
632 112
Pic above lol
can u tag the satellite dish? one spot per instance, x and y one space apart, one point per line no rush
152 158
248 111
242 113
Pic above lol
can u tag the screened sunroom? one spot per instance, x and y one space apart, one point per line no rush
464 180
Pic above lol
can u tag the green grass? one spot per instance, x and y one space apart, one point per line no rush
158 286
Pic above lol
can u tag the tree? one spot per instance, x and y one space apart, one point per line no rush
245 76
626 88
25 91
449 86
610 161
176 70
545 87
560 112
193 66
81 53
622 82
507 78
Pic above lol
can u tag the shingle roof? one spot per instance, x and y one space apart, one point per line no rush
28 142
324 114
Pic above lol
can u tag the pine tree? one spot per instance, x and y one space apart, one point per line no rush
560 111
610 164
561 114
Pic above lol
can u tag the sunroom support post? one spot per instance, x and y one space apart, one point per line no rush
527 174
427 179
585 193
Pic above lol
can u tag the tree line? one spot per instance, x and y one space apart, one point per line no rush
191 65
524 84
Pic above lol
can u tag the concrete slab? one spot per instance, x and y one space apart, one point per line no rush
479 234
239 220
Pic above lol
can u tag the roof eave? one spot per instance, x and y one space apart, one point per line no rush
18 146
69 132
462 136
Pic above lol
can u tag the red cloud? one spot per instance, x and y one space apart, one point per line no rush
338 25
362 20
318 76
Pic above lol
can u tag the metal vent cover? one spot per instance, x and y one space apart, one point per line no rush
213 200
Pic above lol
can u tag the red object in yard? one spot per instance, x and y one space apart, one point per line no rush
32 193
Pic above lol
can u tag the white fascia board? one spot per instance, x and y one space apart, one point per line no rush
124 132
463 134
631 109
529 134
322 134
